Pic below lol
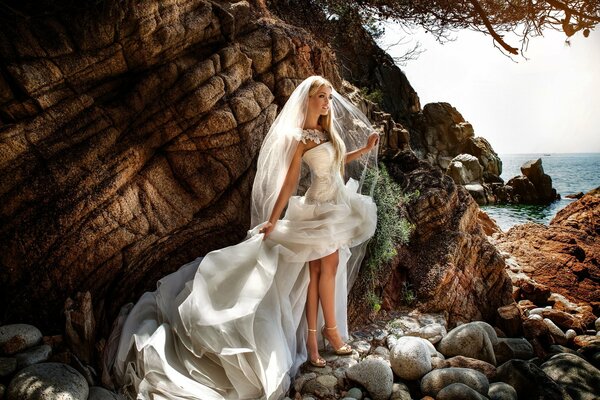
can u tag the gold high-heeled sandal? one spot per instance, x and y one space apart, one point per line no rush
320 361
343 350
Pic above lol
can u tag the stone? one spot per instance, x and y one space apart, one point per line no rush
465 362
459 391
465 169
597 324
512 348
585 340
300 380
555 331
314 387
410 358
438 379
355 393
432 332
577 376
400 392
510 320
570 334
8 365
375 375
502 391
362 346
48 381
529 381
474 339
99 393
329 381
18 337
33 355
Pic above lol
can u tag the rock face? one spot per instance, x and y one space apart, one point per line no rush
440 133
449 262
533 187
126 153
563 256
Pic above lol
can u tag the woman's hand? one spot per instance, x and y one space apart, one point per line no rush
372 140
267 228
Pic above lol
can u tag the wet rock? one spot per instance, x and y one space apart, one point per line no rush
459 391
529 380
48 381
18 337
410 357
438 379
577 376
502 391
375 375
474 339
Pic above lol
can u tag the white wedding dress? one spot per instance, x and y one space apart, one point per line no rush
231 325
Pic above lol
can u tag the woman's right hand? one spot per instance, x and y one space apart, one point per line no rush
267 228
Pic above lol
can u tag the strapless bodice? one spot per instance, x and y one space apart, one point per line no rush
326 181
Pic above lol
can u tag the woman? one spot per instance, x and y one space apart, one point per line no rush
230 325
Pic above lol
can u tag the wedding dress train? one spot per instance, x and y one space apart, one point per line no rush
231 325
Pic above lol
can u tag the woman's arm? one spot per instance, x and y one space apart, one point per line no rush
371 142
289 184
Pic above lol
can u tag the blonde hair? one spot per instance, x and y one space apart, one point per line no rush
327 124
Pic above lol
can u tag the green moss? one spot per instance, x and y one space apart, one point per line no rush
374 95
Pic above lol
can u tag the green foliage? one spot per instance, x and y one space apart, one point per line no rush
408 294
393 229
374 95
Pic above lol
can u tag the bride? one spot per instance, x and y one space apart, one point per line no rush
239 322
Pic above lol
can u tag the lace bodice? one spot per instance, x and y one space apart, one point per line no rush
325 179
315 135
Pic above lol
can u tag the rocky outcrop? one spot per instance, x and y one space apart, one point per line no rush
448 263
126 153
533 187
440 133
563 257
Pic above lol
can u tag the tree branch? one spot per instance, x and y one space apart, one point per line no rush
490 28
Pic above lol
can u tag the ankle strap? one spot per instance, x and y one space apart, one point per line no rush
312 330
335 327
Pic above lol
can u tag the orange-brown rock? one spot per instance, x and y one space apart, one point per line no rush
449 261
510 320
565 255
466 362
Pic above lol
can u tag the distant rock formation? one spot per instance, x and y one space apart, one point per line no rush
565 255
533 187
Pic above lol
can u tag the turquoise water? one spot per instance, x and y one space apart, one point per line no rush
570 173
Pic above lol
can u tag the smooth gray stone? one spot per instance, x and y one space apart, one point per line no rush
375 375
530 381
577 376
400 392
48 381
410 357
502 391
438 379
18 337
355 393
459 391
33 355
474 340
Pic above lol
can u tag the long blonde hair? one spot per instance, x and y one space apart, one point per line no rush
326 123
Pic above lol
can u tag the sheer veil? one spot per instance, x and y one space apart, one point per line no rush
280 144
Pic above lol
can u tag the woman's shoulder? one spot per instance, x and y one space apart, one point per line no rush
314 134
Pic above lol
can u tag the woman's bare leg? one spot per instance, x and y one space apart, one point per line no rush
312 307
328 268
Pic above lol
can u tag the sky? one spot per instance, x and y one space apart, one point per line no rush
548 103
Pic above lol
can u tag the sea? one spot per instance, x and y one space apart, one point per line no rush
570 172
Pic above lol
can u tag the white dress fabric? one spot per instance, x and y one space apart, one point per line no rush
231 325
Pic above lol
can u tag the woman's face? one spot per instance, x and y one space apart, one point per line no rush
319 102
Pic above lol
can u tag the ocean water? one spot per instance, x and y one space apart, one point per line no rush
570 172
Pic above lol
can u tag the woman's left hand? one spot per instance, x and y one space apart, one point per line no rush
372 140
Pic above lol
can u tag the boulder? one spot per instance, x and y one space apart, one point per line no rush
577 376
375 375
18 337
48 381
502 391
474 339
464 169
529 381
512 348
466 362
436 380
459 391
410 357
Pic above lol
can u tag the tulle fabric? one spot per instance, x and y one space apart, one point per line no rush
231 325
